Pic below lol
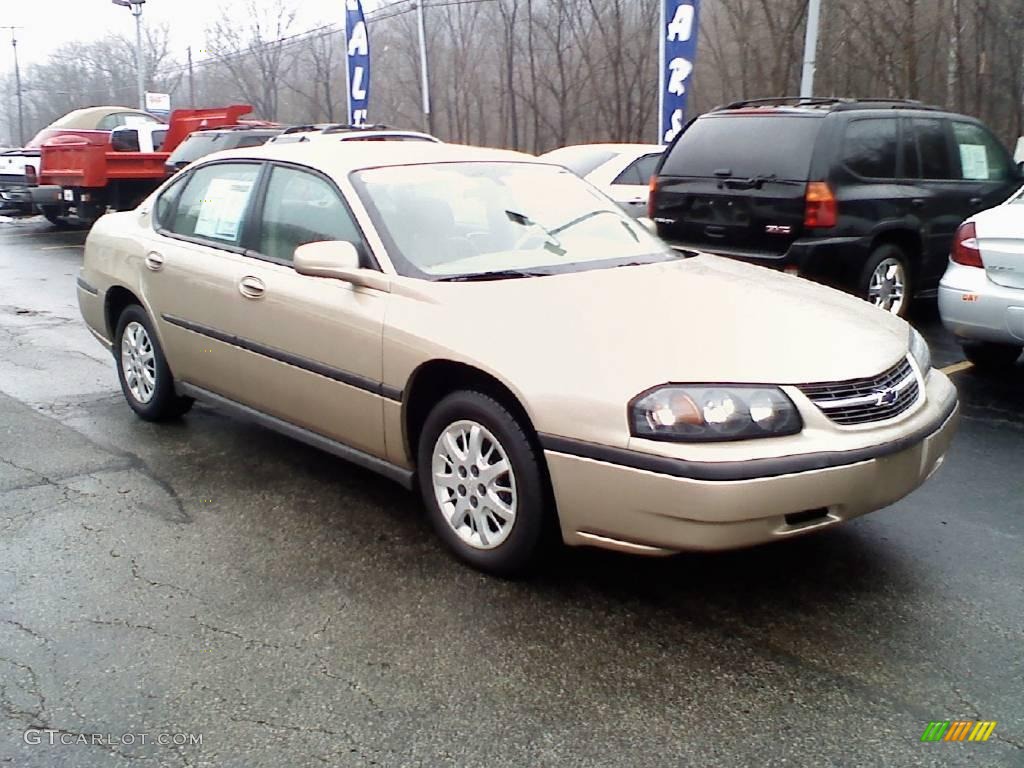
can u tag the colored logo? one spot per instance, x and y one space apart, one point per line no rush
886 397
958 730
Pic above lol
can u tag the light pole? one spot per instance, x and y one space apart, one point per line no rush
135 6
810 48
424 74
17 85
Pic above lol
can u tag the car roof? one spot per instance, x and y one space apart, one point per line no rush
619 149
343 157
91 116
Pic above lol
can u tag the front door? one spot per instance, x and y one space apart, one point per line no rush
315 343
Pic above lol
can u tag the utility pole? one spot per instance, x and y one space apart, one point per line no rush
17 85
810 48
191 80
424 75
135 6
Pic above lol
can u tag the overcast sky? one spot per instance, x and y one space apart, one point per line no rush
48 23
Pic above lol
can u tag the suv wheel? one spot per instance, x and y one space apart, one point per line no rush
885 281
146 380
482 485
988 356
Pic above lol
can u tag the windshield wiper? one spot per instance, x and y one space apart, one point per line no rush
501 274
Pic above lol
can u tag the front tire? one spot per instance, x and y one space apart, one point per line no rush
989 356
142 369
53 215
482 484
885 280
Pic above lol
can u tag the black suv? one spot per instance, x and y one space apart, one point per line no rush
862 195
202 143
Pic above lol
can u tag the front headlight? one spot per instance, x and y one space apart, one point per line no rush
702 413
920 351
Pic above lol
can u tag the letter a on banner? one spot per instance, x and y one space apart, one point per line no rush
357 55
678 35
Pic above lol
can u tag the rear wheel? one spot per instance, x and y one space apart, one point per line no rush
53 214
481 481
990 356
885 280
146 380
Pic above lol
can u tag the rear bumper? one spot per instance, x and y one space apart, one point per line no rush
49 194
835 261
973 307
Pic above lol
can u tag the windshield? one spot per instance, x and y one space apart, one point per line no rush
195 147
457 219
734 146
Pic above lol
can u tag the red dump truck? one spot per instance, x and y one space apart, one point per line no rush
92 172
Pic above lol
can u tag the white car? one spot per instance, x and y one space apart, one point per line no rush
981 296
342 132
621 171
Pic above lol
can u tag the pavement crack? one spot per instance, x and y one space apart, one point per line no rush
26 630
247 640
121 623
137 573
289 727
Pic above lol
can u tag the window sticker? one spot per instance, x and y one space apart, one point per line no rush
974 159
220 211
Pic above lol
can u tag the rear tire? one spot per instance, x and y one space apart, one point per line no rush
142 369
989 356
885 280
52 214
492 518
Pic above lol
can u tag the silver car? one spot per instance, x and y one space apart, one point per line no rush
981 297
621 171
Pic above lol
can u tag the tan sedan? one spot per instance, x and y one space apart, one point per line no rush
500 334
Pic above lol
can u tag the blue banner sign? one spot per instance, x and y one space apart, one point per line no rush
679 27
358 56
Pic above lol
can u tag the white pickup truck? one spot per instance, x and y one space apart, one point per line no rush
19 168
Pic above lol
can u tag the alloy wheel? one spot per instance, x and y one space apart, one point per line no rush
888 286
474 484
138 362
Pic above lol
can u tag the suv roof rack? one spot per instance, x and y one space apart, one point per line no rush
834 103
345 128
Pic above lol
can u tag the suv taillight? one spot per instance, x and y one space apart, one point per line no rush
965 246
821 211
652 191
30 176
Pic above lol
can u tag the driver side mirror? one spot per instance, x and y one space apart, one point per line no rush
340 260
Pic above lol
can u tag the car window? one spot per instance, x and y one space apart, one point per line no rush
911 163
214 202
869 148
165 203
251 141
159 137
933 148
736 145
194 147
300 208
125 140
981 156
638 172
449 220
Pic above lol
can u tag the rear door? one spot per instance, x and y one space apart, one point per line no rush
736 183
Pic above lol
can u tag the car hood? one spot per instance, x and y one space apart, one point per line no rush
616 332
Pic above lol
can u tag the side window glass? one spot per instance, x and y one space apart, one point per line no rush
125 140
214 202
302 208
630 176
933 148
159 137
908 145
639 172
869 149
165 204
251 141
981 157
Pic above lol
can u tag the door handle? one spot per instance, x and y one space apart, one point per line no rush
154 261
917 202
251 287
976 201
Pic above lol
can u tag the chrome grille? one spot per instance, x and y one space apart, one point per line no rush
864 401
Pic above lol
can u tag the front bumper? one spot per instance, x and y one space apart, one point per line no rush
973 307
652 511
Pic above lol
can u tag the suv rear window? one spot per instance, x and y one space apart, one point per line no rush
194 147
746 146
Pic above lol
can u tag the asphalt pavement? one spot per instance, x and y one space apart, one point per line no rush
209 581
